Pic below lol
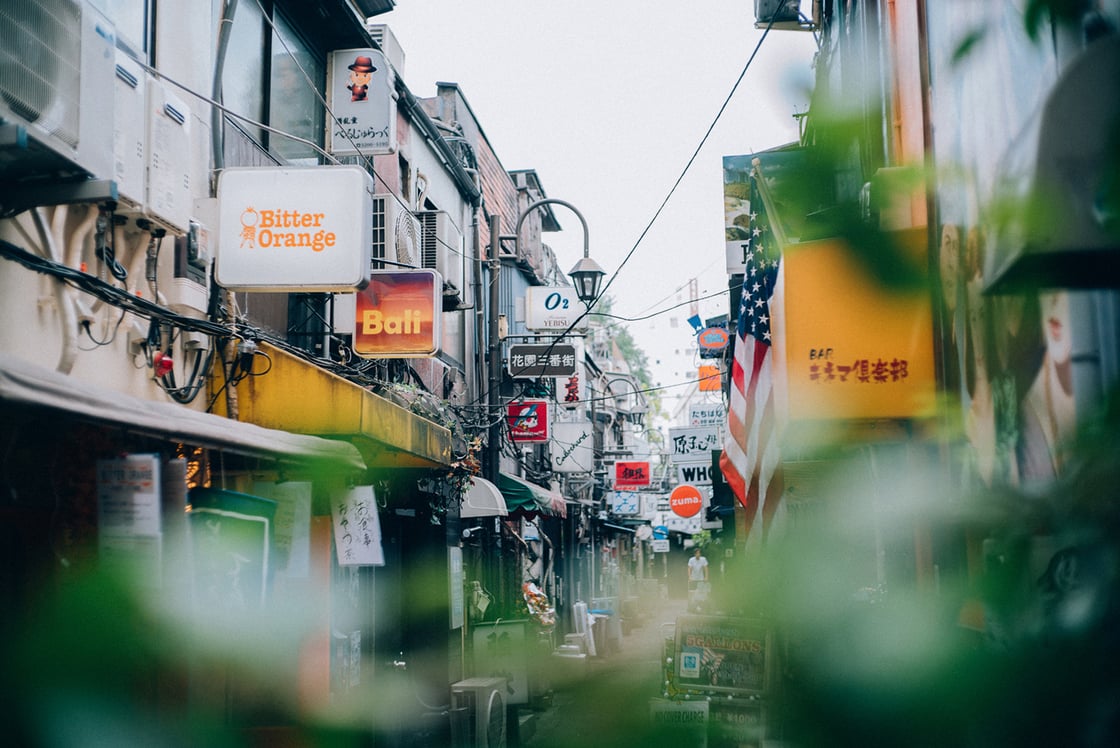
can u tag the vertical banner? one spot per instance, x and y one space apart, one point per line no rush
129 527
357 528
360 92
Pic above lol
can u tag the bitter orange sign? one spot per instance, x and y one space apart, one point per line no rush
398 315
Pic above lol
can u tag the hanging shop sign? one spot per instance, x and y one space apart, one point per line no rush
706 414
624 502
362 102
299 229
696 473
552 308
709 378
532 361
631 474
398 314
571 447
712 340
694 444
686 500
853 349
528 420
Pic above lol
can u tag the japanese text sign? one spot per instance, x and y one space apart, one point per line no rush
631 474
534 361
693 444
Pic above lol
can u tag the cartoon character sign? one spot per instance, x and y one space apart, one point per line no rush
361 73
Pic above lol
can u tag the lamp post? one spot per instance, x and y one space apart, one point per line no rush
586 275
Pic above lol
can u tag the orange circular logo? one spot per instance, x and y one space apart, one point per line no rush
685 500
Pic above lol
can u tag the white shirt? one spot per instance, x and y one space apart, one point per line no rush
696 567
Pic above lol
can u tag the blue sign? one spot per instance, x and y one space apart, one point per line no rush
660 532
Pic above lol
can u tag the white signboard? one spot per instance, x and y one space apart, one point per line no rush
659 546
357 529
625 502
571 447
554 308
128 496
302 229
695 473
360 91
706 414
693 444
291 525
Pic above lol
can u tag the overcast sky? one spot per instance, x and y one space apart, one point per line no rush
607 100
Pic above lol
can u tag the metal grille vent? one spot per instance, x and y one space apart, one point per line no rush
40 64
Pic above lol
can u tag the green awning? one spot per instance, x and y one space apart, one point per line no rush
529 498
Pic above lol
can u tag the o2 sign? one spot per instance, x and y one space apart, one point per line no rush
552 308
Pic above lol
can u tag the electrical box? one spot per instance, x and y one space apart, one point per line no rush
130 133
169 159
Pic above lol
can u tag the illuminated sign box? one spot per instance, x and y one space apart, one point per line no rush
853 349
362 100
631 474
300 229
552 308
398 314
528 420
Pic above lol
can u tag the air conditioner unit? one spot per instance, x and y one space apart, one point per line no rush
396 234
57 62
170 199
442 250
481 713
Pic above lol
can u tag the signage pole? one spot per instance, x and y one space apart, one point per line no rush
493 445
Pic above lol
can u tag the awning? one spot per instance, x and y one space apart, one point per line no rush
302 398
22 383
483 500
1064 170
527 498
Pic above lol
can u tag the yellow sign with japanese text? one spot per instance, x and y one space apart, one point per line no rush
852 348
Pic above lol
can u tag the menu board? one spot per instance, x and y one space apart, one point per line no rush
715 653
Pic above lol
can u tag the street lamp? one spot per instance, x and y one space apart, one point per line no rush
586 275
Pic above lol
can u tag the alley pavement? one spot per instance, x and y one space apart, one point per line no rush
607 702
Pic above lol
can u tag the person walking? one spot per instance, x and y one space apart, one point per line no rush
697 580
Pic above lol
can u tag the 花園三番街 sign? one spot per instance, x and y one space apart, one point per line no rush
535 360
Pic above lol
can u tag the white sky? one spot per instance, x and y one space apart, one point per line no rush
607 100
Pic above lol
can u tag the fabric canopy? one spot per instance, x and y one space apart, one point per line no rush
26 384
527 498
483 500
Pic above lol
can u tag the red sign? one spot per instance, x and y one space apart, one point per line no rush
685 500
528 420
631 474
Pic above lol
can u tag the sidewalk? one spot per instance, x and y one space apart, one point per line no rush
610 705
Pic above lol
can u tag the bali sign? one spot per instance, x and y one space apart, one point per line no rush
300 229
398 314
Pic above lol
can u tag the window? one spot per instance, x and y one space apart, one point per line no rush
297 78
272 75
129 19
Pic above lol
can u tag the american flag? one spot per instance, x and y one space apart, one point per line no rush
750 461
